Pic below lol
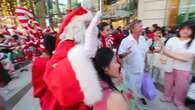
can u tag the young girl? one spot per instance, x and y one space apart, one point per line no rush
182 50
107 68
157 43
155 49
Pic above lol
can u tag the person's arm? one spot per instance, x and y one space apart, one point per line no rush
185 57
117 102
124 49
91 37
123 55
158 49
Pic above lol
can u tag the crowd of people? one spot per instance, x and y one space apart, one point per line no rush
97 67
14 51
90 65
173 54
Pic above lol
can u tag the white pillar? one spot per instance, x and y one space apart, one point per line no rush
140 10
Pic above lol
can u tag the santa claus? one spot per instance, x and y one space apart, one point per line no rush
71 80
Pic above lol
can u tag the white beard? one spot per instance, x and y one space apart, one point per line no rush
75 30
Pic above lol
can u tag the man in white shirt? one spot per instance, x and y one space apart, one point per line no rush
132 51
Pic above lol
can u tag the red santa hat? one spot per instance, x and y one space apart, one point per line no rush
70 75
72 23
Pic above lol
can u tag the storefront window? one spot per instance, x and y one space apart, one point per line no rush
62 1
57 9
120 12
186 11
180 11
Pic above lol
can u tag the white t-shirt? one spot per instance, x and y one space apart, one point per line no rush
179 46
135 61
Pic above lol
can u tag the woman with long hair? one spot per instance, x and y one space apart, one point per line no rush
182 50
107 68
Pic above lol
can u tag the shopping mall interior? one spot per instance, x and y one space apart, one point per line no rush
117 12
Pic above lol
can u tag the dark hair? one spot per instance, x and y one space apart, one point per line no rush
15 37
190 25
102 60
155 26
102 25
49 43
132 25
164 31
119 29
111 26
2 36
147 30
158 29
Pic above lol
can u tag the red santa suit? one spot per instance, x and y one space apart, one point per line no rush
71 80
38 70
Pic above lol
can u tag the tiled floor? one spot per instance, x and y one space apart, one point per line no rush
18 94
17 84
27 103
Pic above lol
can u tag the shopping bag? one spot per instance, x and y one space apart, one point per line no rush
191 92
148 88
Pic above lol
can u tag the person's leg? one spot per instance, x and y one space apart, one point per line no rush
131 79
181 87
138 84
169 80
156 74
134 82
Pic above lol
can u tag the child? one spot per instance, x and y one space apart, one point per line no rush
157 43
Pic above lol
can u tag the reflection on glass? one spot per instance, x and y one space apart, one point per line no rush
186 11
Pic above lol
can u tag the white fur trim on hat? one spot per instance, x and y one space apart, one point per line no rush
85 74
75 30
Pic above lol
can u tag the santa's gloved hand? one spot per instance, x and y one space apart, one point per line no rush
91 36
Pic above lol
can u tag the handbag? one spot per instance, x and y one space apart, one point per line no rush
148 88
